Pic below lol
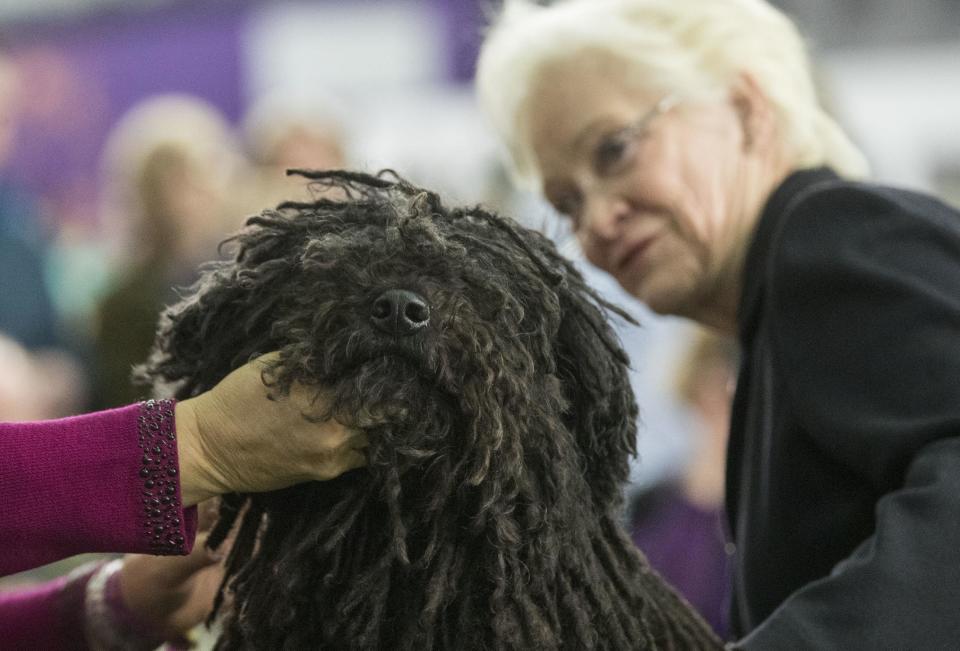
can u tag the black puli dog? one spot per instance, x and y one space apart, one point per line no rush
500 419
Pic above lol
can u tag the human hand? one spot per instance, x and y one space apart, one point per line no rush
169 595
235 439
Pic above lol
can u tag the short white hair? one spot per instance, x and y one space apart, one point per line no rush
188 125
190 128
274 115
687 47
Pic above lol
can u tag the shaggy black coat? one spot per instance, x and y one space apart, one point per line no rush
499 433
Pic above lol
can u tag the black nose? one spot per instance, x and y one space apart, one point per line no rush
400 312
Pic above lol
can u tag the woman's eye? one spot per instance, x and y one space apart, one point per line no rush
568 206
610 154
569 209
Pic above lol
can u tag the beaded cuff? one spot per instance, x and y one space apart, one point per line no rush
162 515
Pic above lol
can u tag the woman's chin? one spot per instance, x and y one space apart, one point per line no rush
665 306
662 298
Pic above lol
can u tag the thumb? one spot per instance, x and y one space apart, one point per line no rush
183 567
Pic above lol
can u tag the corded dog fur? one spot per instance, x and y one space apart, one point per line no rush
500 418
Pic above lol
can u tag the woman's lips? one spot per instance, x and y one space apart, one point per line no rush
634 253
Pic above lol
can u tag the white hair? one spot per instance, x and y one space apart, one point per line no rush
184 123
188 126
685 47
274 115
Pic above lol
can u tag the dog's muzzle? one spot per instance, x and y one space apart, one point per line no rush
400 312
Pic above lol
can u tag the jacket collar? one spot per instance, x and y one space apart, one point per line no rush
774 213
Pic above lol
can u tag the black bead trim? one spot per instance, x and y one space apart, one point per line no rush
157 474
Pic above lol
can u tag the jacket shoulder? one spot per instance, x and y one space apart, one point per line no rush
845 219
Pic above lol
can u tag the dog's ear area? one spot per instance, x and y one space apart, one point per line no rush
225 320
593 369
207 335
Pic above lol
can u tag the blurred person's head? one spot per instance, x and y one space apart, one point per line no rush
706 377
169 163
284 130
659 127
292 131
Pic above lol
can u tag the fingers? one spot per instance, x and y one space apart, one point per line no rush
183 567
345 462
267 358
207 512
336 465
358 440
353 460
334 435
163 572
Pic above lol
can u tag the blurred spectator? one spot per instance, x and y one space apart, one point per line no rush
26 311
36 385
169 164
16 208
291 131
19 400
678 524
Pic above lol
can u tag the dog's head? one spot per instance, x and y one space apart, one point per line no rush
493 392
433 327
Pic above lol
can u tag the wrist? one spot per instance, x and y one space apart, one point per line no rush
195 482
109 622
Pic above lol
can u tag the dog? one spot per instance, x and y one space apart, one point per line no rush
500 418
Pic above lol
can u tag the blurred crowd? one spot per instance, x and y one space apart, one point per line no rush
176 180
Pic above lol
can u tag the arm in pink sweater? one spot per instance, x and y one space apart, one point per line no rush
102 482
48 616
75 612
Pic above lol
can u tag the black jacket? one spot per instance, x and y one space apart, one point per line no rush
843 484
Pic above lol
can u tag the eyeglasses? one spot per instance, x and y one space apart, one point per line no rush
614 153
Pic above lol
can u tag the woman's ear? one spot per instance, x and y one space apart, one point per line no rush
753 109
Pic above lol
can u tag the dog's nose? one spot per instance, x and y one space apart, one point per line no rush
400 312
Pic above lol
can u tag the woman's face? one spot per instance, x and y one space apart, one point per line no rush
650 184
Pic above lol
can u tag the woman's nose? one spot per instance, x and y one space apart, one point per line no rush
603 216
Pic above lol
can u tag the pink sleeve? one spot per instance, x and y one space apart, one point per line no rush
102 482
49 616
76 612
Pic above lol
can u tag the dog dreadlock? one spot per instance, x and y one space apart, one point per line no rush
499 434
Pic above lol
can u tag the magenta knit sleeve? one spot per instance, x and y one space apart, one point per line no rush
102 482
48 616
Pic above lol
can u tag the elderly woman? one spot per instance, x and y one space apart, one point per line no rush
684 140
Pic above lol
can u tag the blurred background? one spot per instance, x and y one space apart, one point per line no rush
136 134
